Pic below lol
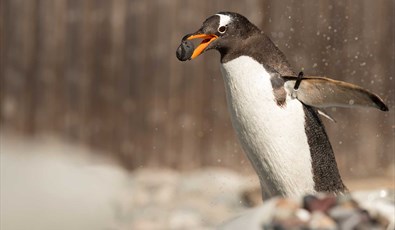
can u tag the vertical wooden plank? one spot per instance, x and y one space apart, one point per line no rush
117 63
371 64
7 106
383 70
166 82
136 37
49 71
191 87
131 149
102 91
95 86
73 70
20 64
61 111
84 83
157 63
174 80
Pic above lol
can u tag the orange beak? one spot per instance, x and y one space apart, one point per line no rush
207 39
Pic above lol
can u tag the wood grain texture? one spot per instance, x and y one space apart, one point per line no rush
104 73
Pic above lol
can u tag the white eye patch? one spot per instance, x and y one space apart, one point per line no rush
224 20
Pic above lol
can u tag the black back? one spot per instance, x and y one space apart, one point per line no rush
326 175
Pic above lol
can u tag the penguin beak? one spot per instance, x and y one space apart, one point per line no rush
207 39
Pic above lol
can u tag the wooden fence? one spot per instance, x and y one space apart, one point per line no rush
104 73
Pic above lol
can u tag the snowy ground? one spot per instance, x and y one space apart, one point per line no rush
48 184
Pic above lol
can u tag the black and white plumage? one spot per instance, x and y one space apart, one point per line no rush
279 128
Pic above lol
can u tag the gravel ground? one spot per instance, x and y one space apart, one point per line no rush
47 184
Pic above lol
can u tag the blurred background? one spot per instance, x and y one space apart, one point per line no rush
103 75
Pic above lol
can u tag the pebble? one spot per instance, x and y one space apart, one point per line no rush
324 212
185 50
199 199
83 194
204 199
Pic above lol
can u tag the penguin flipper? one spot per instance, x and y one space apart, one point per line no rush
322 92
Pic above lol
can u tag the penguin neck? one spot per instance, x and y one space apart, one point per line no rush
259 46
274 137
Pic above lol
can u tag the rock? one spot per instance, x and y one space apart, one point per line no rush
319 220
324 212
185 219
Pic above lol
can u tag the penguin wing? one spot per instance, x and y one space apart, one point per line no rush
324 92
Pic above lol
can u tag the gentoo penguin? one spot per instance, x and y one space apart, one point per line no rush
274 111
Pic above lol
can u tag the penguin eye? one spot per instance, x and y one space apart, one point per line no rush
222 29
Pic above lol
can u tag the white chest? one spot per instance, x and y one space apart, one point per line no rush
273 137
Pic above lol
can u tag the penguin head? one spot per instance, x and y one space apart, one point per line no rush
221 31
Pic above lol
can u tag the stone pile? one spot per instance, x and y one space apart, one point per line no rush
166 199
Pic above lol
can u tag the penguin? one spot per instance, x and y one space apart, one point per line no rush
274 111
